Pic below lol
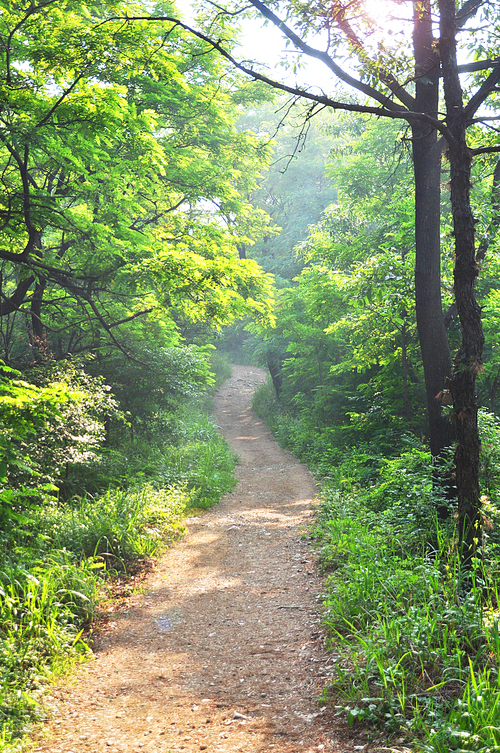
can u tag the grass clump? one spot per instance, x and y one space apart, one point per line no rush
414 648
120 526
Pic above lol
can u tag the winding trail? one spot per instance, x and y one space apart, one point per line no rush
222 650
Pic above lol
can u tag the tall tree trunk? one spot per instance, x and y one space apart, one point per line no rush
468 360
432 335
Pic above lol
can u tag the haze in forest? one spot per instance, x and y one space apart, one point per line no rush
166 210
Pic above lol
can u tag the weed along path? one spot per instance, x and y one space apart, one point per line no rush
221 651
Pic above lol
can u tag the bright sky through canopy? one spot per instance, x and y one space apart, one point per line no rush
264 44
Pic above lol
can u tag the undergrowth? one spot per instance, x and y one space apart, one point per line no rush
57 555
415 642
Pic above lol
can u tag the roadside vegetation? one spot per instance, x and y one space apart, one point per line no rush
68 535
413 633
414 640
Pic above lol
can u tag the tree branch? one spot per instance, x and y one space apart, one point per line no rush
131 317
494 223
323 56
480 65
396 113
107 329
33 233
385 76
63 96
369 91
467 10
32 10
13 302
483 92
486 150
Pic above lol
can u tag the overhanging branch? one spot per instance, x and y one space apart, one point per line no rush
354 83
388 108
483 92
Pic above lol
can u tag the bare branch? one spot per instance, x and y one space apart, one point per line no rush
484 91
369 91
486 150
12 303
107 328
480 65
396 113
131 317
384 75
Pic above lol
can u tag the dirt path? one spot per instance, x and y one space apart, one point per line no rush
222 650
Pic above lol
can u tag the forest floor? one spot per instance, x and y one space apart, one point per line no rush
221 649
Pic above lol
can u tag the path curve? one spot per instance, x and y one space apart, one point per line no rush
222 651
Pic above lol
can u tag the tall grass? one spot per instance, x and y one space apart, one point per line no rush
417 652
415 647
55 558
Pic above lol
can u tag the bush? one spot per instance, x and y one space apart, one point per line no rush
156 385
55 422
413 646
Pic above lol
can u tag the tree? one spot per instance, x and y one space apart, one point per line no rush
404 82
346 332
123 179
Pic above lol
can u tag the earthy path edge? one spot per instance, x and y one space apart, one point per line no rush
222 651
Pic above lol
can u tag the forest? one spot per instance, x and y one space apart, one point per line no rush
169 206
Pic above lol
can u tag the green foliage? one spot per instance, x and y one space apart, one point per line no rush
24 411
490 456
345 339
348 454
123 182
42 606
120 526
221 368
406 640
55 422
205 466
56 556
473 722
416 652
296 189
192 454
153 386
124 206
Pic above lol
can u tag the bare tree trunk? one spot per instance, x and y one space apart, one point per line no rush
436 356
468 360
